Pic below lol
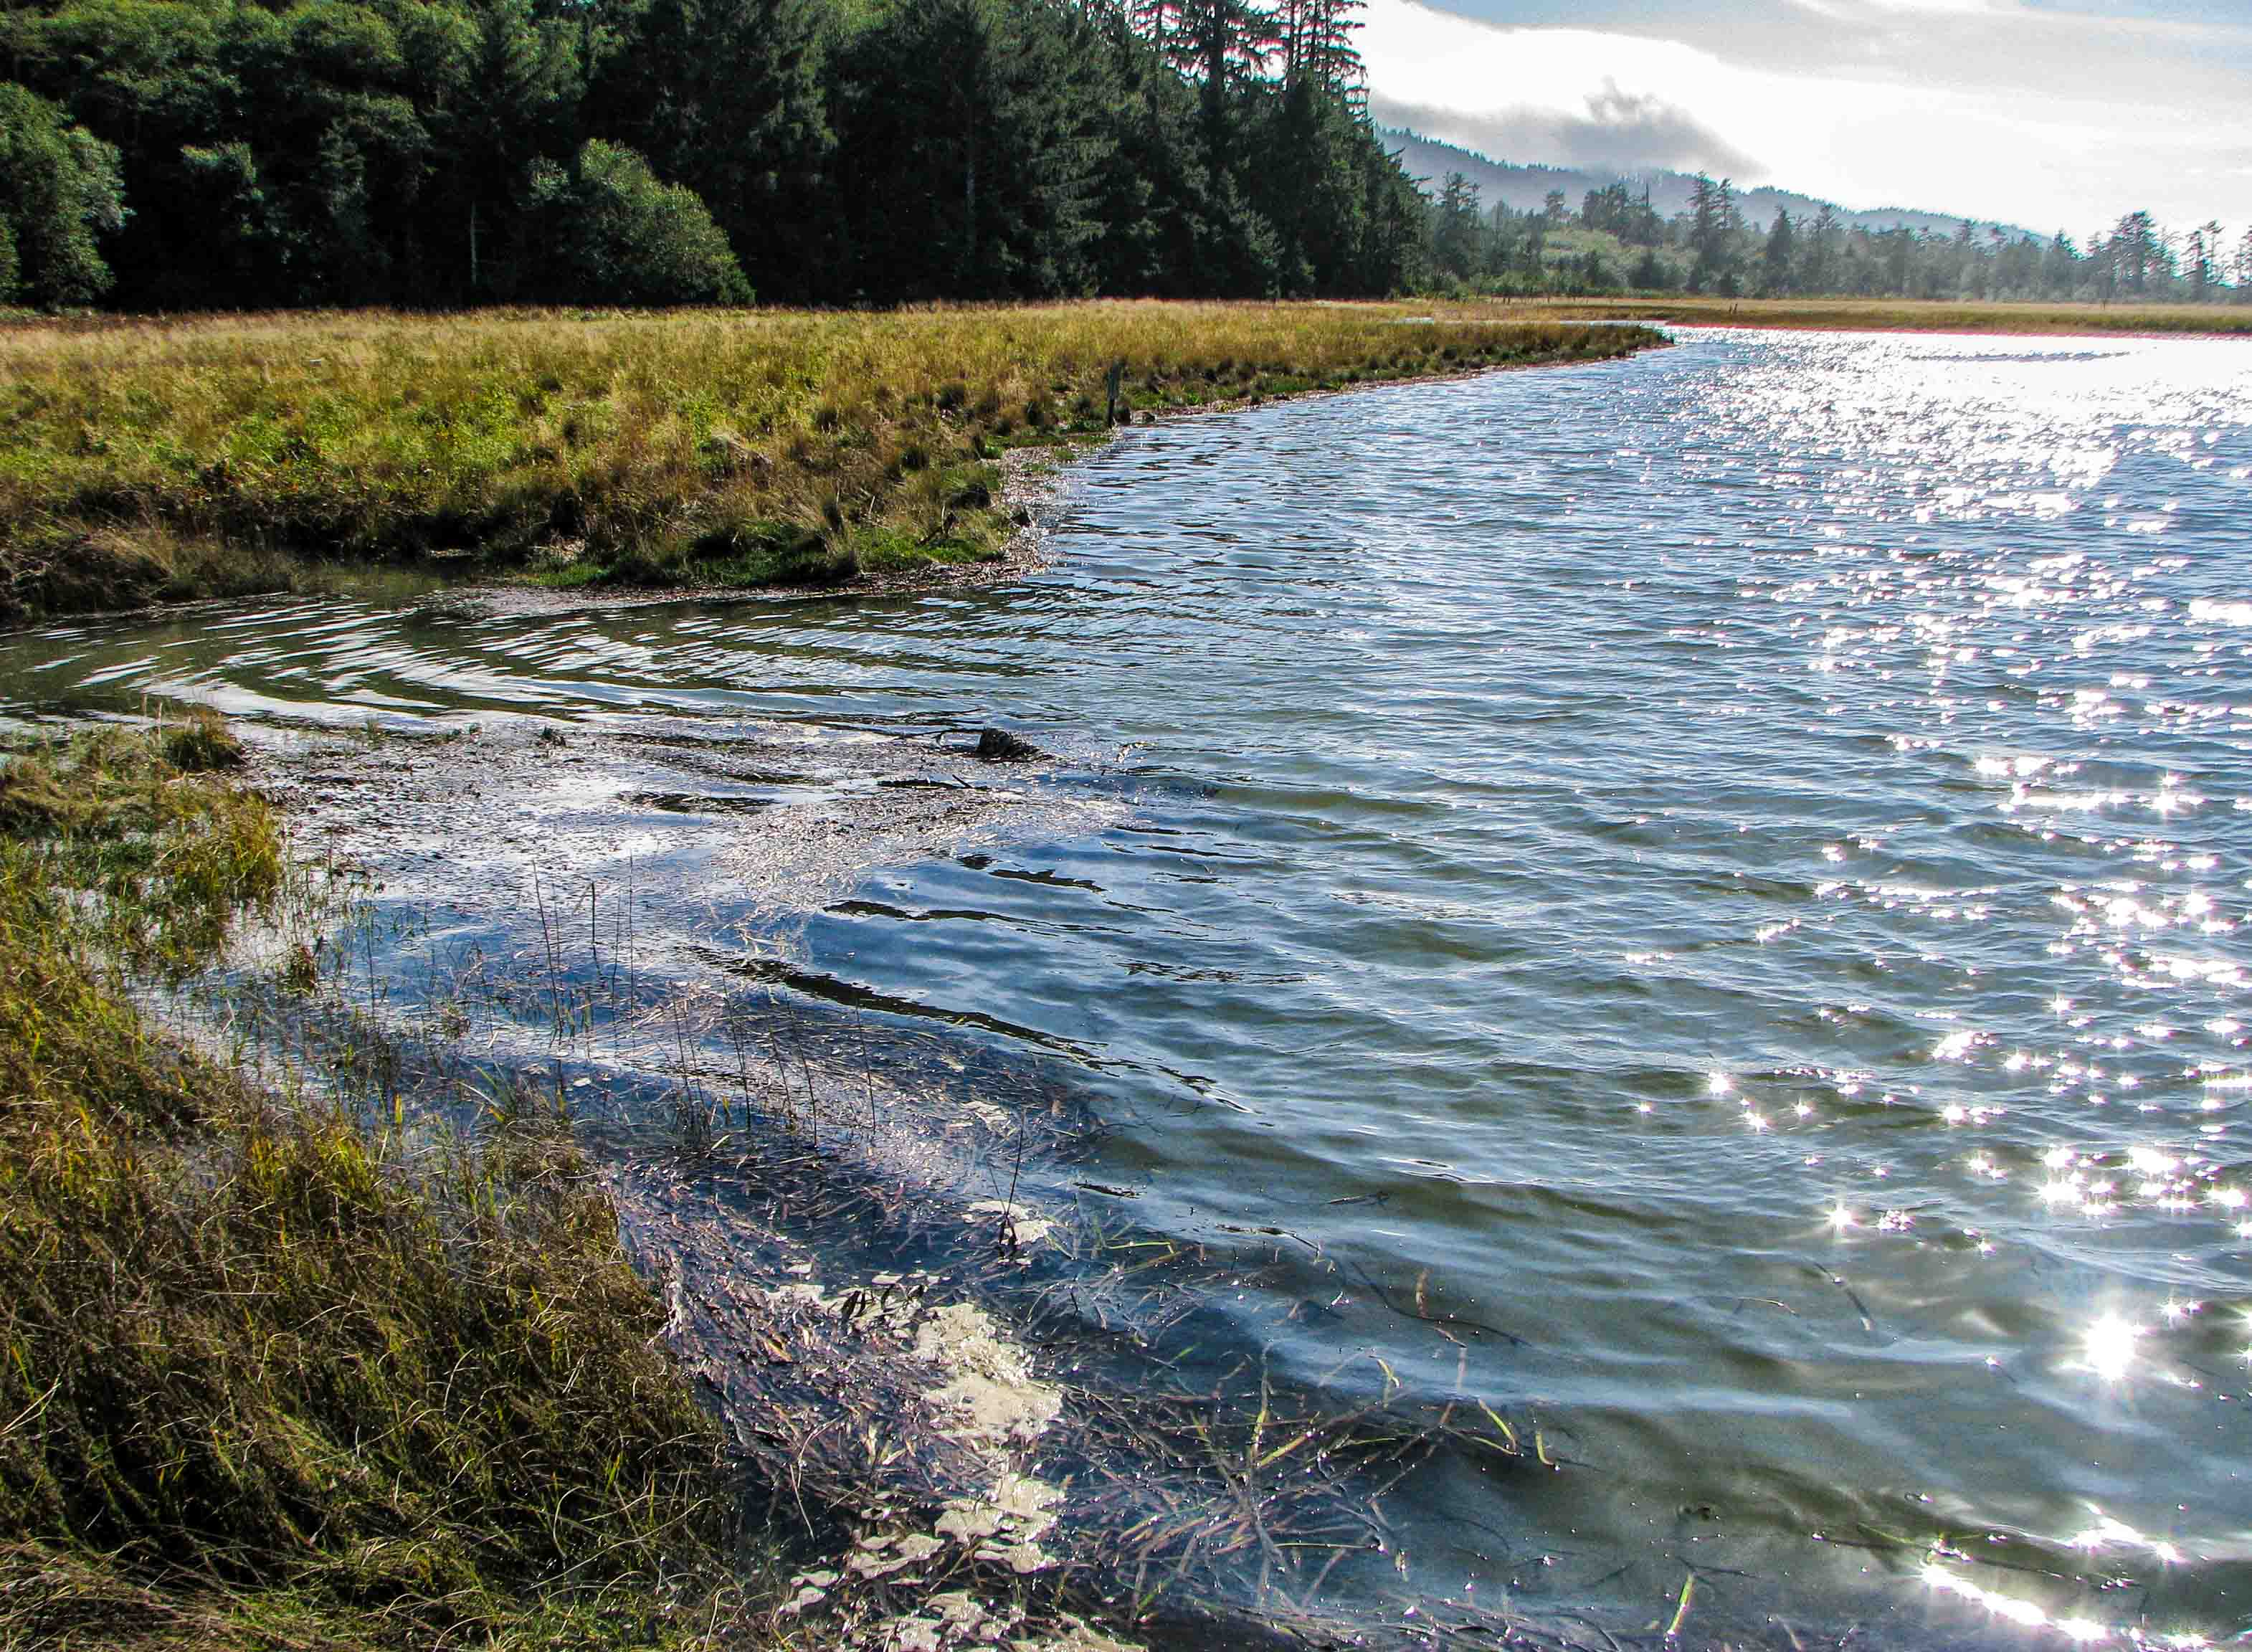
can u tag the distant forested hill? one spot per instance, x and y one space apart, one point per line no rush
1523 188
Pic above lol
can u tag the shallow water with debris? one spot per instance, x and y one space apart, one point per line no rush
1698 904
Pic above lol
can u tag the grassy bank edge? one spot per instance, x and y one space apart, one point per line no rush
155 461
271 1375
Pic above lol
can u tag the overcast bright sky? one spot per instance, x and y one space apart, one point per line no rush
2043 112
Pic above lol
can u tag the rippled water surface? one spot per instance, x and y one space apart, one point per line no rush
1729 870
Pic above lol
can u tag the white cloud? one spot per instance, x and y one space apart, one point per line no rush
1615 130
1946 8
1978 143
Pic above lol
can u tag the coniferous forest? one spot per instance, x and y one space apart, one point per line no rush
166 155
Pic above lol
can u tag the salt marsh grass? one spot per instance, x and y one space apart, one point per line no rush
145 460
271 1374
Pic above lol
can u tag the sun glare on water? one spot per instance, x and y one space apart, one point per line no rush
2108 1347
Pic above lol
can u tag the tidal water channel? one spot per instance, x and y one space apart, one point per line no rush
1703 902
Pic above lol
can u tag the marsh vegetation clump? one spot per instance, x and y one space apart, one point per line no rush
202 745
267 1368
151 461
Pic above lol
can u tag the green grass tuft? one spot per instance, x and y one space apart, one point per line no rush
204 747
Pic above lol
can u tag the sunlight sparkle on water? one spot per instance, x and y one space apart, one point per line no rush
2108 1347
2078 1629
2109 1532
2003 1606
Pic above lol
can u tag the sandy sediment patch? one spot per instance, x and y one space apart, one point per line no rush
904 1423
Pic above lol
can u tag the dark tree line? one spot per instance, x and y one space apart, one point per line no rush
196 154
1616 242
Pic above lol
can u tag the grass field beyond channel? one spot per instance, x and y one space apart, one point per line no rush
1894 314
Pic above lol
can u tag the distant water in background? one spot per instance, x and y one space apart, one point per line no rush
1730 868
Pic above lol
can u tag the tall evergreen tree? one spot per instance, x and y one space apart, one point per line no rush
2139 252
521 104
1167 225
1317 38
966 164
1455 238
1223 45
2204 259
1779 262
1713 228
1820 261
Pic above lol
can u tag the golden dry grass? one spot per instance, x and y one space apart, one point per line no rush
144 459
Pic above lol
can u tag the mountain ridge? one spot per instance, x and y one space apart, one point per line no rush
1525 185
